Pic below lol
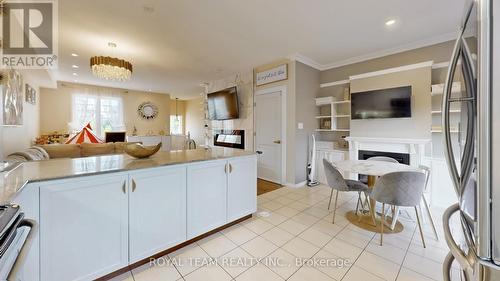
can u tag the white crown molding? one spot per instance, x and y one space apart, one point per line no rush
392 70
402 48
440 65
306 60
336 83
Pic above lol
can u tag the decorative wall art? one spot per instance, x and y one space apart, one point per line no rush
13 99
276 74
30 94
147 110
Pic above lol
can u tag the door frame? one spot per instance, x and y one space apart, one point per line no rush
283 90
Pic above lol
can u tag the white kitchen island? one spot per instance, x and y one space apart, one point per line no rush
100 215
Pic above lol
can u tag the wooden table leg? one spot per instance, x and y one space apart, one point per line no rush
371 184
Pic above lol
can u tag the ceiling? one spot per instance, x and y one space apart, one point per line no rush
176 45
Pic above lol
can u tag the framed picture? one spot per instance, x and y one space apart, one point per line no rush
272 75
13 99
30 94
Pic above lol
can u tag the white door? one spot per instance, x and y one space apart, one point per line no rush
268 137
241 188
206 197
157 212
84 227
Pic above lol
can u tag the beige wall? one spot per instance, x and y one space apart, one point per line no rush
418 126
55 108
16 138
195 118
437 53
306 90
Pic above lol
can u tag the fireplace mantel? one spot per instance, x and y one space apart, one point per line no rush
388 140
414 147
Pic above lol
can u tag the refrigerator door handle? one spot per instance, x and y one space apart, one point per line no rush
465 262
467 161
448 153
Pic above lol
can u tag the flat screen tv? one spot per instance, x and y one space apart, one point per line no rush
223 105
385 103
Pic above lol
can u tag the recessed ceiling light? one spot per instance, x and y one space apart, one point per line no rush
74 55
75 74
75 66
390 22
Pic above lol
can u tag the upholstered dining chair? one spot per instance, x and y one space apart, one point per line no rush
403 189
337 182
427 172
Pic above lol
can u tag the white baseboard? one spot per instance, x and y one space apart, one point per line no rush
296 185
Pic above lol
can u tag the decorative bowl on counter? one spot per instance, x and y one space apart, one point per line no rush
137 150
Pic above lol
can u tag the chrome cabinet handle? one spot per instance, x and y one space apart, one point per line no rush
259 152
448 153
134 185
230 168
225 168
124 187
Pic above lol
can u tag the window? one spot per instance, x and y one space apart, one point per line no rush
105 114
176 125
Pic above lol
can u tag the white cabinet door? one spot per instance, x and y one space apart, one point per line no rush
157 212
206 197
83 227
330 155
241 188
29 269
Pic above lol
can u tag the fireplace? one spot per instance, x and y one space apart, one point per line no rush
403 158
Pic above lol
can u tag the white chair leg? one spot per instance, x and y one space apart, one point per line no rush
395 217
330 201
358 203
382 222
427 207
335 206
420 226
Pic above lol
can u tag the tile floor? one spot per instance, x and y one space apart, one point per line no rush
298 242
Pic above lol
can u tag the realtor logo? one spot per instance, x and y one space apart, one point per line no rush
29 33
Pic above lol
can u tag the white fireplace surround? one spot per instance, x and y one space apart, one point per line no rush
414 147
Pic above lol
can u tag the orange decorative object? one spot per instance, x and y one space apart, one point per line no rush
85 135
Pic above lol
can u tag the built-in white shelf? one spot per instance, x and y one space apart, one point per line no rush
333 130
438 89
331 122
341 101
334 83
436 131
451 111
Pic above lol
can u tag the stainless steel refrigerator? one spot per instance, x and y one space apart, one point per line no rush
473 154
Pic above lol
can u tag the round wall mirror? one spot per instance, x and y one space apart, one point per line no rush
147 110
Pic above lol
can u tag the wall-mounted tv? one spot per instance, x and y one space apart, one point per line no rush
385 103
223 105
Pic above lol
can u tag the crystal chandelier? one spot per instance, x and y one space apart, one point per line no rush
110 68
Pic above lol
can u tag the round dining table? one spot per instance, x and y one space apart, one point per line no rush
373 169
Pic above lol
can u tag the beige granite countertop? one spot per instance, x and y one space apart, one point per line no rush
13 181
